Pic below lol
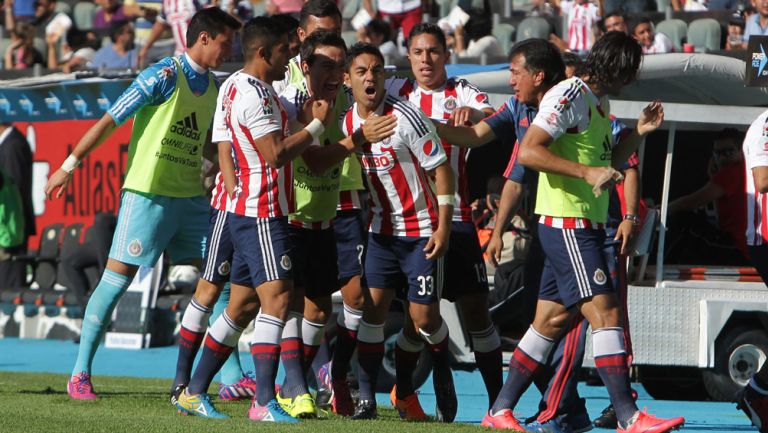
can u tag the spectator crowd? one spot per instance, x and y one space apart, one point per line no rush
73 35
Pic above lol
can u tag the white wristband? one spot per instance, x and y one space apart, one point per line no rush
70 164
446 200
315 128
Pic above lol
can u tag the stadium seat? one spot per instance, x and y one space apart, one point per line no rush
533 27
70 241
350 37
4 43
504 33
63 7
83 15
349 8
704 34
45 262
676 30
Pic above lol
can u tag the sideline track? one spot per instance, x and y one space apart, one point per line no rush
51 356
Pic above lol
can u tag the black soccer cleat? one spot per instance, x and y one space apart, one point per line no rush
366 409
445 398
175 391
607 419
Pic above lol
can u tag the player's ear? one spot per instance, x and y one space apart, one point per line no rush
204 38
304 66
261 53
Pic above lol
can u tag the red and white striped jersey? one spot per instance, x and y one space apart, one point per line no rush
581 18
349 200
255 111
220 132
756 155
438 105
177 14
402 197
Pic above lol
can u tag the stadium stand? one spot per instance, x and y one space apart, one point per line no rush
676 30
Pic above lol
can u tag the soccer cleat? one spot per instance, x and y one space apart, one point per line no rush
341 403
366 409
240 390
301 406
578 423
80 387
607 419
272 412
551 426
198 405
643 422
446 405
324 396
503 420
409 407
755 405
175 392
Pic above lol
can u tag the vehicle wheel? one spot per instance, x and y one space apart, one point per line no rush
672 383
737 358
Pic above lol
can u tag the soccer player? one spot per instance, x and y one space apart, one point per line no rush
452 101
316 194
569 144
754 399
410 226
258 125
163 206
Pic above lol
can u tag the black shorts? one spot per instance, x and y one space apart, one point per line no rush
351 239
465 271
315 261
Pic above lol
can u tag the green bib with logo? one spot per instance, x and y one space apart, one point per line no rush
351 171
564 196
165 152
317 194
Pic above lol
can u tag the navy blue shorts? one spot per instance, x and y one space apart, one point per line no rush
263 250
574 268
399 262
465 271
218 248
315 263
350 230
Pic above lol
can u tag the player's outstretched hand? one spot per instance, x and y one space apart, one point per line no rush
59 180
650 118
494 248
377 128
461 116
437 245
601 178
626 234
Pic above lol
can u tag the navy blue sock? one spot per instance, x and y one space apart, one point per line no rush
266 354
220 342
527 360
193 326
611 363
370 352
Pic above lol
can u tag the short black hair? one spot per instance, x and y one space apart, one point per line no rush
212 21
359 49
320 9
380 27
479 24
320 38
261 32
116 28
615 57
287 20
638 21
574 61
541 56
616 14
430 29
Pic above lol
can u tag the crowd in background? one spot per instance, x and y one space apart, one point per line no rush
110 34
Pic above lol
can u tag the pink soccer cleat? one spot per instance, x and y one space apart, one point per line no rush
79 387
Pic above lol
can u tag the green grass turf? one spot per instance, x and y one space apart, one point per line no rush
34 402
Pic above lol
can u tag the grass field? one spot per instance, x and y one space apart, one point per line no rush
38 402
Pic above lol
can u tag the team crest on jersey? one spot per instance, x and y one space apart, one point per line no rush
225 267
134 248
524 122
267 103
386 141
285 262
599 277
449 104
430 148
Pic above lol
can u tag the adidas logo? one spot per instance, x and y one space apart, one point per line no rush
187 127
